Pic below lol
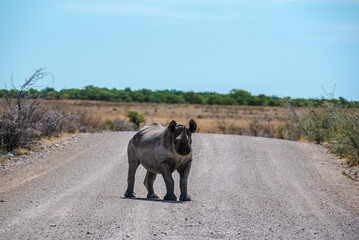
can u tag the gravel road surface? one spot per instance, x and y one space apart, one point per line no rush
241 188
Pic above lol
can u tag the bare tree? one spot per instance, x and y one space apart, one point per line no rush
29 82
28 120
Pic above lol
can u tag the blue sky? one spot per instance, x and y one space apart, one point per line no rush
276 47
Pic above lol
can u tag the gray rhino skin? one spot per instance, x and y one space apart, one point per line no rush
161 150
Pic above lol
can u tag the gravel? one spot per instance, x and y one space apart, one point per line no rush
241 187
43 149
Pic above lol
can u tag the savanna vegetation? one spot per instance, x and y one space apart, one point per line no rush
27 115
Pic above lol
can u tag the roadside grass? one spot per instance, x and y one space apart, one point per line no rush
333 125
117 125
206 116
21 127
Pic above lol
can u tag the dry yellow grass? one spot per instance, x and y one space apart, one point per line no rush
206 116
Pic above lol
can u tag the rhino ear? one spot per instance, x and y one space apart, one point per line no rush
172 125
192 126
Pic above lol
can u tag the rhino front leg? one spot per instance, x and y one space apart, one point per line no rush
149 180
133 164
170 186
184 172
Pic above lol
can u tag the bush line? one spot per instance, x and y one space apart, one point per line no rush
234 97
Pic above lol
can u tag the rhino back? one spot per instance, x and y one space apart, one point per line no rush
149 136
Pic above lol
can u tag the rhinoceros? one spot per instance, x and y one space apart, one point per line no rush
161 150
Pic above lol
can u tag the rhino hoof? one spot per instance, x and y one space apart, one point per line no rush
185 197
130 194
153 195
170 197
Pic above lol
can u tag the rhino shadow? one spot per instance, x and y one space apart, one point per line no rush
153 200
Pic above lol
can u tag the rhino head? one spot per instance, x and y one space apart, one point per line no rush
182 137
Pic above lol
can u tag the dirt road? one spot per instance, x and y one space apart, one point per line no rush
241 188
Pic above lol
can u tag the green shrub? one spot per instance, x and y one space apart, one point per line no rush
319 124
136 118
331 123
346 143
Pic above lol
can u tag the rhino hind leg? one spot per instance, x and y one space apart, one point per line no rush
149 180
133 164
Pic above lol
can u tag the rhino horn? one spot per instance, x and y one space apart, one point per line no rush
183 135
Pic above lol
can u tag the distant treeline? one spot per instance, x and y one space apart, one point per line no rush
234 97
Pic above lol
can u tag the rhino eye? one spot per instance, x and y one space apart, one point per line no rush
178 132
